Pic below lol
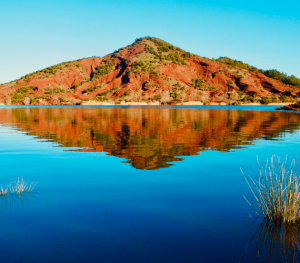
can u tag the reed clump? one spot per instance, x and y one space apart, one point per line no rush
277 191
17 188
21 187
3 191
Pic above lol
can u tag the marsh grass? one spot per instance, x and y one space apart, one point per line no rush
18 187
277 191
3 191
21 187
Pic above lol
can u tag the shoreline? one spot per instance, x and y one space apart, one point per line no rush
190 103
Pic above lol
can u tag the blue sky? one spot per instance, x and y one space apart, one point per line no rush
38 34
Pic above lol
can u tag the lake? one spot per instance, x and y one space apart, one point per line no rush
140 184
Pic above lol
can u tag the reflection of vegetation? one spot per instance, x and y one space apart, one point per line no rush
274 242
278 192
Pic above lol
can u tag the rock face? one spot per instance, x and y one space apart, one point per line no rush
26 101
150 70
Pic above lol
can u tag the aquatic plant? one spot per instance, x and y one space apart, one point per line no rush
17 188
3 191
277 191
21 187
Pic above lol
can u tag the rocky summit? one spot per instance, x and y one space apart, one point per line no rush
150 71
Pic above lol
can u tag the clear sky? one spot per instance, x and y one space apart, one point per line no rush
38 34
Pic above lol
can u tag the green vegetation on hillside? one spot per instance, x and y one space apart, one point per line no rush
90 89
164 47
139 67
103 70
19 95
49 90
273 73
284 78
199 84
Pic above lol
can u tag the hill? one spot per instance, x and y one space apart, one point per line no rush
150 71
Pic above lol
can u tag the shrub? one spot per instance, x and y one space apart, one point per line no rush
174 94
25 89
101 98
198 83
265 100
54 90
17 97
187 54
127 93
90 89
248 98
175 58
102 70
240 93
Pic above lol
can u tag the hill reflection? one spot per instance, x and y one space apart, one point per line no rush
150 138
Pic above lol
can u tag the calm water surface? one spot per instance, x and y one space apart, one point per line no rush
133 184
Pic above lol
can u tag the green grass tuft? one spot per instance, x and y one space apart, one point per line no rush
17 188
277 191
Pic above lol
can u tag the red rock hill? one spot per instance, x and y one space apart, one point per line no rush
149 70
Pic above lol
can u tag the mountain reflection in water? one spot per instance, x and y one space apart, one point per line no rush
149 138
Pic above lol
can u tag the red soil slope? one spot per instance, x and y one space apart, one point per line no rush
148 70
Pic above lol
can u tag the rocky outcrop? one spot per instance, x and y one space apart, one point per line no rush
291 107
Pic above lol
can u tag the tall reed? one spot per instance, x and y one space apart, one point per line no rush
277 191
3 191
21 187
17 188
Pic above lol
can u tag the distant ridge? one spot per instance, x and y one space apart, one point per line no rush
151 71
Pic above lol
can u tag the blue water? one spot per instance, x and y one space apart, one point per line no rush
95 207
